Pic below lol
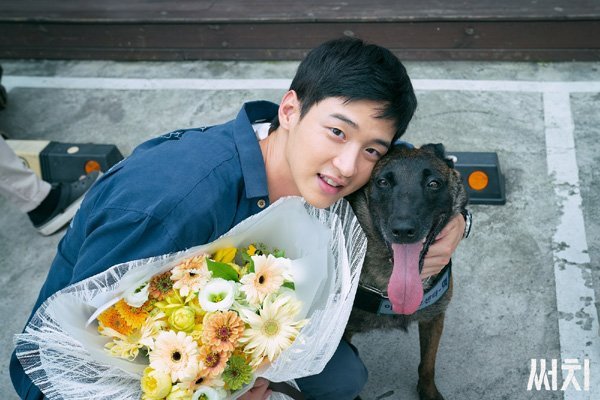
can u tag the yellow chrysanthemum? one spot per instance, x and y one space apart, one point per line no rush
196 333
222 330
112 319
135 317
123 349
174 301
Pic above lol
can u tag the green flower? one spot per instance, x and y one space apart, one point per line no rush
183 319
237 373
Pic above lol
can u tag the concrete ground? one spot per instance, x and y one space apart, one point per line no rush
527 282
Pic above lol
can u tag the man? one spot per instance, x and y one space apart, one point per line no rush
346 106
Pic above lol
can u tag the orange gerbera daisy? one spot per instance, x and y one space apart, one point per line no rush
111 318
212 362
135 317
222 330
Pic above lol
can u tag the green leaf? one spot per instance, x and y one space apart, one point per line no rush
245 257
289 285
249 261
278 253
222 270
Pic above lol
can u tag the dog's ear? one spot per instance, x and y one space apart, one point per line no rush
439 151
450 161
435 148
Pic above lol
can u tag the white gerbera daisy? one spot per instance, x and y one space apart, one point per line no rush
273 330
268 276
191 275
176 354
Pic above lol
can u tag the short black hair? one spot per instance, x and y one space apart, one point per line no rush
354 70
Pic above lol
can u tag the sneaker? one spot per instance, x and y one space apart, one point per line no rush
69 199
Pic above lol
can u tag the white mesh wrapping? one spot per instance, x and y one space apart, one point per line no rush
66 360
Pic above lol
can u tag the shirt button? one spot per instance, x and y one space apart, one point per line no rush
261 203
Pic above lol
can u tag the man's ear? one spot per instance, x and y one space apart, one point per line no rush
289 110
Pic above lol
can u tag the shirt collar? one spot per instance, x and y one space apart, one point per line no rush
251 159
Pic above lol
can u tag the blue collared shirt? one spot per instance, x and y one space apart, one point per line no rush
176 191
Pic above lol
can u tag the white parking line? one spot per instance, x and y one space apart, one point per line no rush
575 302
56 82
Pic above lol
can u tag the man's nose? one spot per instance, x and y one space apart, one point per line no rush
346 162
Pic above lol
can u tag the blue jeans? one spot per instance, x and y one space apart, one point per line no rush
343 378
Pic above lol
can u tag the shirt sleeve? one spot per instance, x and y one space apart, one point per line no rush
116 236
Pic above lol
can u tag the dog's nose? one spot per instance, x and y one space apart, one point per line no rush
405 230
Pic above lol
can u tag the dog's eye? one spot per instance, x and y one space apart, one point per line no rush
382 183
434 185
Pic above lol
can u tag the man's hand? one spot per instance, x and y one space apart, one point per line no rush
260 391
445 244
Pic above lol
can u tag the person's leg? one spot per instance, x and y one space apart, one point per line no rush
20 185
343 378
49 207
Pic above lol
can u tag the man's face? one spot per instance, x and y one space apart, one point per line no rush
332 150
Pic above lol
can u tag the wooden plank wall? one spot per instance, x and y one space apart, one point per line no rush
554 30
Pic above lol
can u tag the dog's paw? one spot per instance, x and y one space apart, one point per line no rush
429 392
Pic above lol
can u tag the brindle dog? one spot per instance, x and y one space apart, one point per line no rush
411 196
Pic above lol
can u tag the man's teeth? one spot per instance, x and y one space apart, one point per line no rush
330 181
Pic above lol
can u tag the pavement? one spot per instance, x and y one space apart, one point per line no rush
527 281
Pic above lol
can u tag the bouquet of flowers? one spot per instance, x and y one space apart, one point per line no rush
263 300
207 324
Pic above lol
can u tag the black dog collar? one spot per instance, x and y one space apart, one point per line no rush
373 300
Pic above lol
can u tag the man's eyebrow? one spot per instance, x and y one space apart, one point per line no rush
353 124
345 119
384 143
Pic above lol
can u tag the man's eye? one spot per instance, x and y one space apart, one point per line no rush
337 132
374 152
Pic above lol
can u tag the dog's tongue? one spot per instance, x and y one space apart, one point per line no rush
405 290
